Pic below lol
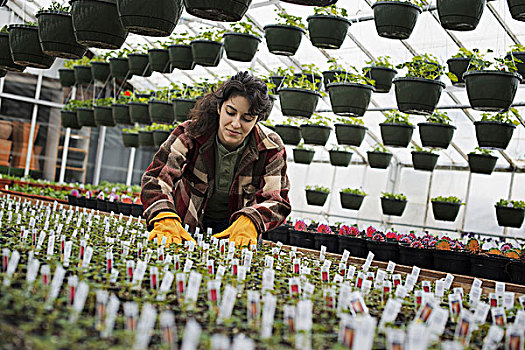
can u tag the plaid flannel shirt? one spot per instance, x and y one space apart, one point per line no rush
181 179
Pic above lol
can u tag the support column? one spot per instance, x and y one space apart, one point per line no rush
467 195
428 197
131 165
100 154
33 126
509 197
65 151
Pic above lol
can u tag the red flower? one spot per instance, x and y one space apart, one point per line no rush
391 235
370 231
127 93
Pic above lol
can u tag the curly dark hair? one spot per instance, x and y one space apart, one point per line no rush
204 115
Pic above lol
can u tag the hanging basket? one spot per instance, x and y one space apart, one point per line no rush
303 156
223 10
493 135
458 66
139 64
119 68
327 32
156 18
510 217
86 117
417 95
181 108
436 135
241 47
317 198
130 139
382 76
311 2
394 207
461 15
350 135
379 160
315 134
159 60
207 53
57 38
290 134
104 116
6 60
283 40
82 74
424 160
69 120
340 158
181 57
67 77
517 9
329 77
161 112
138 113
297 102
97 24
100 71
350 99
396 135
445 211
518 55
351 201
395 20
121 114
482 163
25 47
277 81
491 91
160 136
146 138
315 79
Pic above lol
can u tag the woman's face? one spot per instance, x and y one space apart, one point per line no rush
235 121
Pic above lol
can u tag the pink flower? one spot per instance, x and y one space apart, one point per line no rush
300 225
344 230
323 228
391 235
354 231
370 231
75 192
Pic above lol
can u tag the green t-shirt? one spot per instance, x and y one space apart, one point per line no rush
226 164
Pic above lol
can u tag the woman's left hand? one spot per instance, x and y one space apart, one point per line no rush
242 232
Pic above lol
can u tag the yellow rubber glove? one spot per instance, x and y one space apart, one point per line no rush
168 225
242 232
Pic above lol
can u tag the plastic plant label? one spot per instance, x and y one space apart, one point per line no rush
366 287
268 261
235 266
338 279
476 283
289 318
387 287
296 266
380 276
268 279
308 290
165 286
500 289
410 282
401 292
342 269
474 296
448 281
440 288
417 337
464 328
321 258
493 300
508 300
131 312
253 307
32 271
323 250
211 267
391 267
111 315
154 277
228 301
360 278
51 246
56 284
357 304
437 321
220 342
138 275
214 291
455 305
102 300
392 308
11 267
493 338
145 327
481 312
80 300
67 252
113 276
350 272
325 274
294 287
368 261
458 290
395 338
194 282
268 314
346 255
241 274
188 265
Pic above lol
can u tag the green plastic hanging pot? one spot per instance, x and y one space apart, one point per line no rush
349 134
146 138
104 116
97 24
6 60
326 31
69 120
119 68
181 57
160 136
154 18
394 207
290 134
25 47
277 81
241 47
83 74
138 113
159 60
493 135
120 114
425 161
510 217
351 201
86 117
283 40
417 95
100 71
491 90
297 102
317 198
57 38
139 64
379 160
207 53
396 134
518 56
130 139
161 112
303 156
517 9
315 134
482 163
461 15
66 77
340 158
315 79
395 20
436 135
350 99
218 10
445 211
382 76
329 76
181 108
458 66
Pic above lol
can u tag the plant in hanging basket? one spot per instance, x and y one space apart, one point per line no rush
158 18
185 97
161 132
82 70
379 157
518 52
382 72
55 30
350 131
85 113
396 130
328 27
446 208
517 9
6 60
393 204
351 198
333 69
224 10
289 131
350 93
97 24
25 47
159 57
138 110
100 70
138 61
130 137
160 107
103 112
119 64
494 131
68 115
208 50
180 53
317 195
242 41
500 74
316 130
309 72
303 154
424 159
396 19
459 64
481 161
510 213
460 15
285 37
436 131
340 156
146 136
66 75
298 96
419 91
120 109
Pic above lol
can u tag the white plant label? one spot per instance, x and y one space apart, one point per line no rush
144 327
80 300
368 261
391 267
56 284
228 301
165 286
194 282
111 315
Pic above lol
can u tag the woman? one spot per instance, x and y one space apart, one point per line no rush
220 169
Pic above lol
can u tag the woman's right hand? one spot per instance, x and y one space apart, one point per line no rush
168 225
